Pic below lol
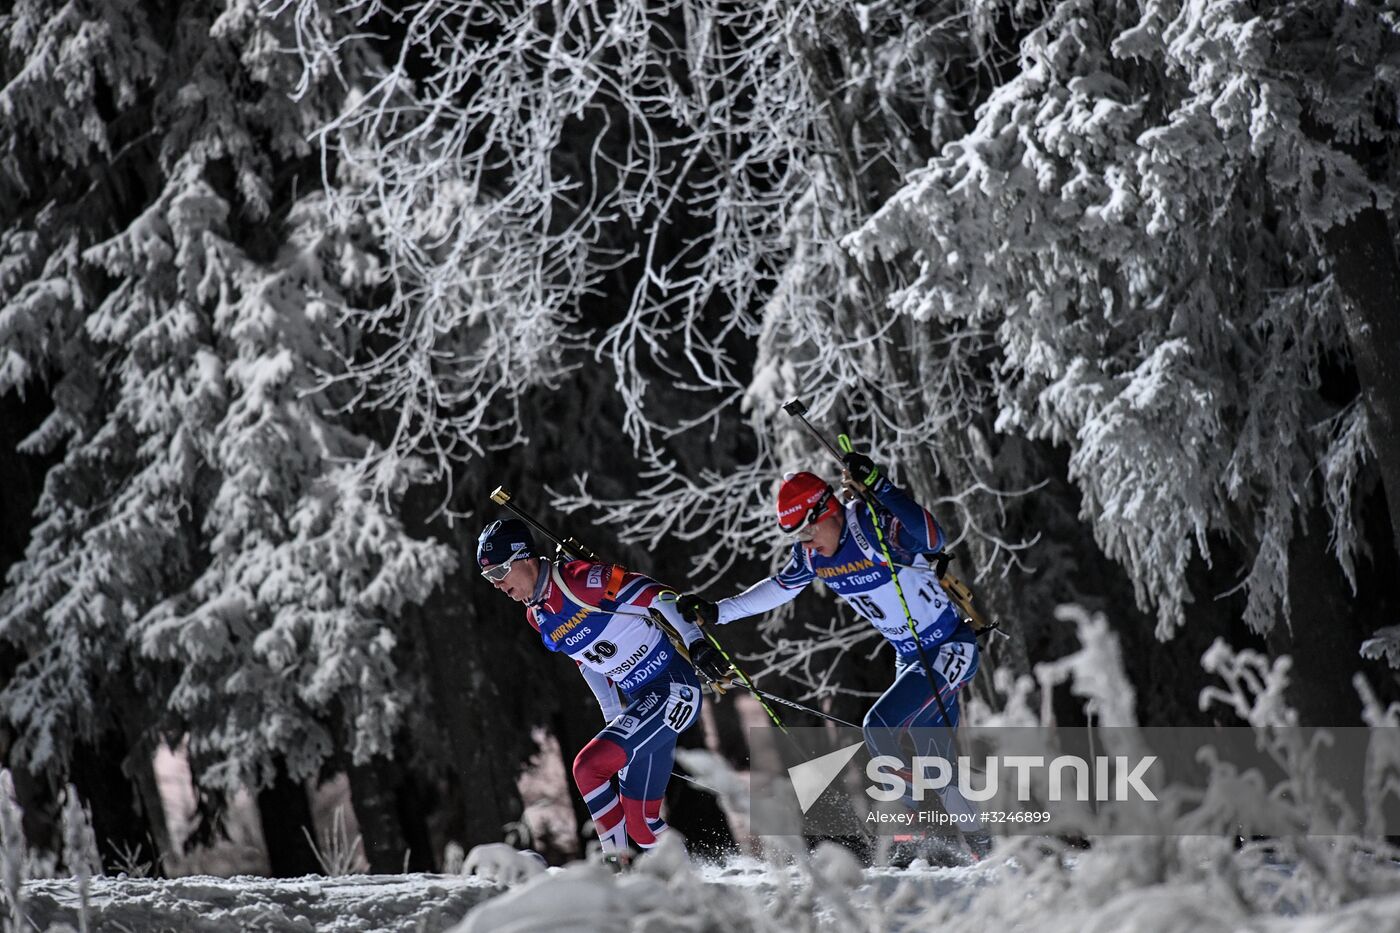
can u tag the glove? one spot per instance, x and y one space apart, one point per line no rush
694 609
862 469
710 664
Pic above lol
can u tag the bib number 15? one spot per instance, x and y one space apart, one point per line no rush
952 662
868 607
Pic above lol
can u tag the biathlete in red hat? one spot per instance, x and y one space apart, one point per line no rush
837 543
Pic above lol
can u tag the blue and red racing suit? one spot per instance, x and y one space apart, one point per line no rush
859 574
597 615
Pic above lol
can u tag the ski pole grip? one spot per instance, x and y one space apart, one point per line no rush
844 442
799 411
500 496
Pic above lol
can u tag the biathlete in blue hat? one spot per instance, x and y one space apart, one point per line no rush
598 614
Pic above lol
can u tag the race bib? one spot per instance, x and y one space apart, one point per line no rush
954 661
682 707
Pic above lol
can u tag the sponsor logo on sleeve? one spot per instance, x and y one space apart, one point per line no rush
847 569
595 577
574 621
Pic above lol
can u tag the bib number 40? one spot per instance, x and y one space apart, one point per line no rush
600 652
682 707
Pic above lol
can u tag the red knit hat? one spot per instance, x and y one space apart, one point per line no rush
804 499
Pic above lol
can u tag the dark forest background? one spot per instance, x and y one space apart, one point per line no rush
287 290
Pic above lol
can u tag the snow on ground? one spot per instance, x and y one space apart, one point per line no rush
829 891
351 904
661 893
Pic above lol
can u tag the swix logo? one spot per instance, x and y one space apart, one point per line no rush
573 623
841 570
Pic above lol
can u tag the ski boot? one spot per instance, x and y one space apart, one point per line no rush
935 850
979 845
619 863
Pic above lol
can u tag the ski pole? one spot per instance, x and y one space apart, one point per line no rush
806 709
690 780
754 689
743 678
958 592
797 409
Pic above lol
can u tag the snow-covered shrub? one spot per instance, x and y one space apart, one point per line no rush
502 863
80 855
1195 872
12 853
336 851
664 891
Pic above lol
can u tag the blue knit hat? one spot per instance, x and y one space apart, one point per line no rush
502 539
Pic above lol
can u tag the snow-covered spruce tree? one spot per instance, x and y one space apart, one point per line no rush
206 561
1137 219
69 694
1346 103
